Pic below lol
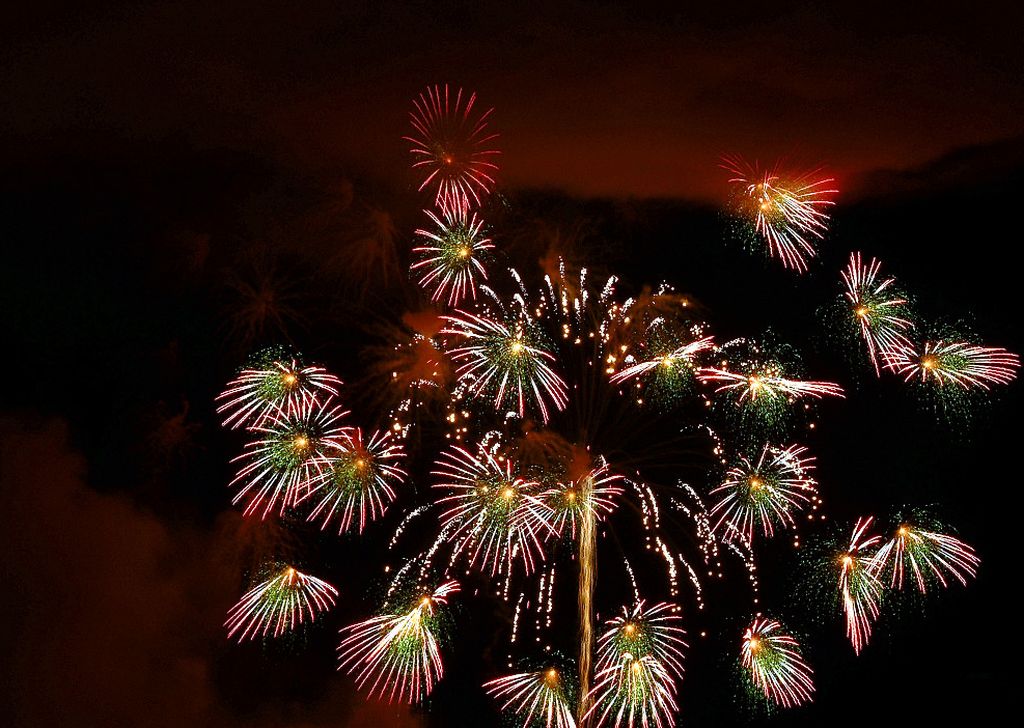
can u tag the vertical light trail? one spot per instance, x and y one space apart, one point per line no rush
588 568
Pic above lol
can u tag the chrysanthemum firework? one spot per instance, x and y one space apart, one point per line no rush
774 664
762 494
954 364
493 515
542 698
449 259
644 632
357 479
635 691
860 590
281 603
506 360
274 383
788 213
591 496
288 456
397 654
671 366
877 309
452 147
927 558
756 382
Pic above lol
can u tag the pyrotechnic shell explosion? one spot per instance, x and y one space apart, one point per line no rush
567 408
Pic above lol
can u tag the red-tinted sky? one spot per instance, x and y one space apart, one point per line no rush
591 97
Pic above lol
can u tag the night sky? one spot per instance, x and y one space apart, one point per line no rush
185 182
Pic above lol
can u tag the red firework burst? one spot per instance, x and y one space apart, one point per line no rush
452 146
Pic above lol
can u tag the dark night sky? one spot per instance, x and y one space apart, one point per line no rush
162 161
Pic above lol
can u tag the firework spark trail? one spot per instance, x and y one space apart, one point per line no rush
773 661
859 588
766 492
587 577
449 258
538 698
494 512
399 650
788 214
879 309
507 358
929 557
276 386
358 479
954 363
280 603
452 147
289 455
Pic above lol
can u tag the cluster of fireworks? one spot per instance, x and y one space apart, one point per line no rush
561 404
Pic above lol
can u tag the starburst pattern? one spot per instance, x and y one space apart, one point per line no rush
539 698
289 455
592 495
774 664
763 494
452 147
788 213
397 654
358 479
860 590
492 515
449 260
878 308
506 360
272 385
280 604
926 557
954 364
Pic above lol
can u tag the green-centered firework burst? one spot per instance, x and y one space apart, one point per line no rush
279 604
773 662
538 699
397 654
289 455
358 481
919 553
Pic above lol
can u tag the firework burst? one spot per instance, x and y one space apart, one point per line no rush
289 456
773 663
573 501
541 698
860 590
452 147
358 479
507 359
493 516
397 654
280 604
928 558
787 213
763 494
954 364
653 632
877 308
635 691
757 387
666 372
272 385
449 259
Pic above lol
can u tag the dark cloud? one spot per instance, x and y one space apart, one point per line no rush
113 616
